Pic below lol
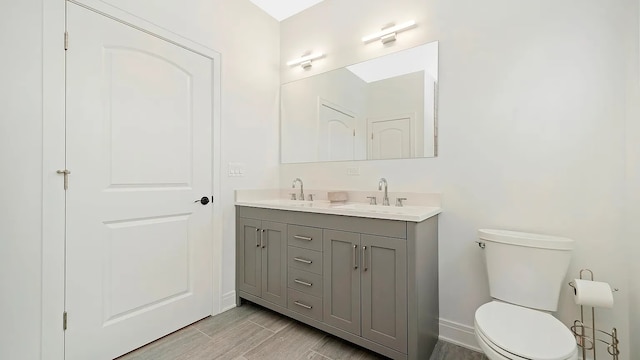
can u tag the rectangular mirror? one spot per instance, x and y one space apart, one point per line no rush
383 108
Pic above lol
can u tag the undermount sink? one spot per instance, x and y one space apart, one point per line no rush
287 202
409 210
364 207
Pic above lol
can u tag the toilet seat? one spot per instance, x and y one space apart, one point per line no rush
520 333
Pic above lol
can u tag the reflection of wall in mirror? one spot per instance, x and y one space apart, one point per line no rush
394 98
429 121
300 110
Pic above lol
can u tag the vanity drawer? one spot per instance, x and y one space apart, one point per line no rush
306 282
305 237
305 259
305 304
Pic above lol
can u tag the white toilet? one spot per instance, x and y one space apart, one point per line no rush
526 273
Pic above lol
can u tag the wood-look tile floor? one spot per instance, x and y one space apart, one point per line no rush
251 332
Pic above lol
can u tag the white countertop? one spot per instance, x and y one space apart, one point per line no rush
414 213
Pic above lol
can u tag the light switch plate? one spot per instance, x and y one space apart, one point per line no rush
236 169
353 171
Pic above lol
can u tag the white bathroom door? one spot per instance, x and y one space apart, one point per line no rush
391 138
139 149
336 133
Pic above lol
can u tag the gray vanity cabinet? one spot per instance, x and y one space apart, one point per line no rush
342 280
373 282
262 268
365 286
384 291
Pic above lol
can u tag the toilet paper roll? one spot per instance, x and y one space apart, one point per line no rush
593 293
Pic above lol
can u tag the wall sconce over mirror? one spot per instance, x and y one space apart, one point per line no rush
388 34
382 108
305 60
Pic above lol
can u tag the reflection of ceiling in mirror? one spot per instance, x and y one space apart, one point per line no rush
282 9
420 58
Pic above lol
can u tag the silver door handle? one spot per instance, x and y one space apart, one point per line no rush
364 258
355 262
302 282
262 242
258 237
66 173
309 307
300 237
302 260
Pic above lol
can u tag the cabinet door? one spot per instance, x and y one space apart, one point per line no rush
384 291
274 262
341 277
249 256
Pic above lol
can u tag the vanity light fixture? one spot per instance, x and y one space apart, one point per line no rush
305 60
389 34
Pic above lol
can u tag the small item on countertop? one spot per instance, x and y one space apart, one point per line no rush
336 196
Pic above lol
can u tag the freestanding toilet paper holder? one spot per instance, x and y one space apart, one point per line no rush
579 329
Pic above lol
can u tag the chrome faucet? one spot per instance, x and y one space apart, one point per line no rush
293 185
385 199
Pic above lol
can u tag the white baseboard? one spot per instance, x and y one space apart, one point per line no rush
458 334
228 301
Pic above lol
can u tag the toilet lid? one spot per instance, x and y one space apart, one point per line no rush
525 332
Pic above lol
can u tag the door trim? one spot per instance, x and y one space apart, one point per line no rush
53 199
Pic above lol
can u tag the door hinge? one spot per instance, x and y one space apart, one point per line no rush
371 136
66 173
64 320
354 132
66 40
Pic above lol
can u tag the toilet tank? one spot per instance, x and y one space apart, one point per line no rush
526 269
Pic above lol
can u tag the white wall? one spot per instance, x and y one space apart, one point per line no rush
632 189
21 184
531 124
237 29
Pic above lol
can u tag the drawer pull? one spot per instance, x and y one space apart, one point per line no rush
258 237
300 237
305 261
302 282
308 307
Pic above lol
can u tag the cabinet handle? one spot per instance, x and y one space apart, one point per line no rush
302 260
364 258
262 242
308 307
300 237
302 282
258 237
355 263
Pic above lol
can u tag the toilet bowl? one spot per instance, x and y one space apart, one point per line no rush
506 331
526 272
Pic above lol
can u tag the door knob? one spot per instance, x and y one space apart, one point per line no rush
204 200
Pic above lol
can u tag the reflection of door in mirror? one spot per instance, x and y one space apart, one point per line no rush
336 132
391 137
